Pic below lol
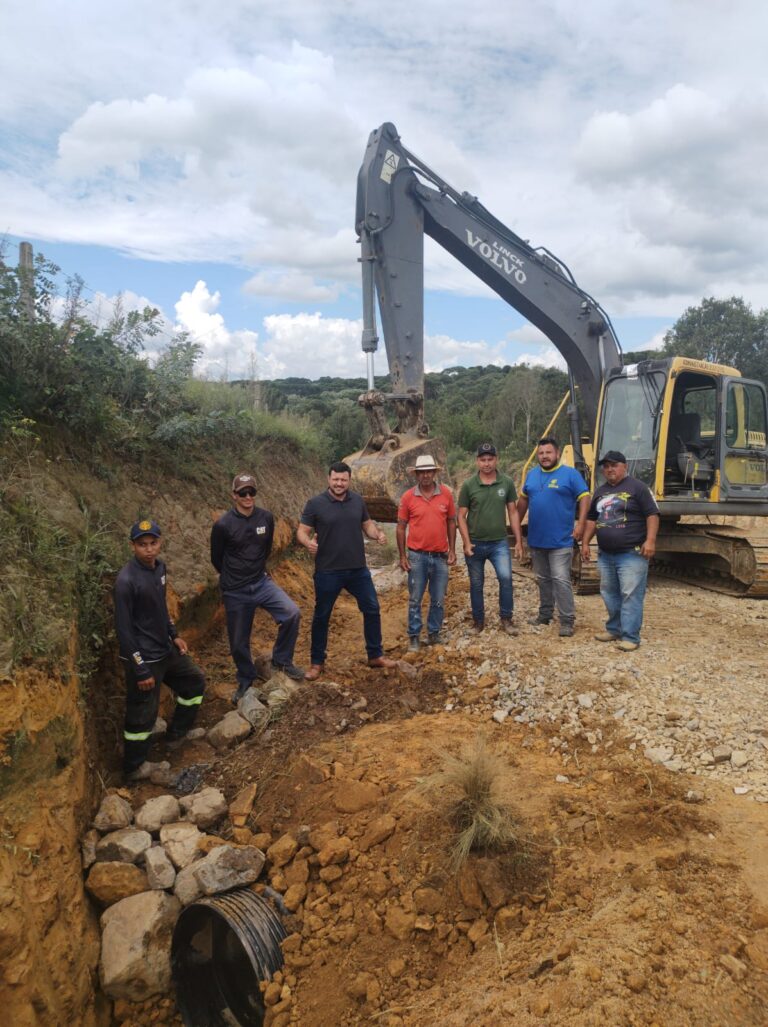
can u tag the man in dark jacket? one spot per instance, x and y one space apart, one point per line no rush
625 516
241 542
152 652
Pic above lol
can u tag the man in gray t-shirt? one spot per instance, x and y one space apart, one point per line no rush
332 528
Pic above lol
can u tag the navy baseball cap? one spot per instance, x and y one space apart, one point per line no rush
486 449
145 528
613 456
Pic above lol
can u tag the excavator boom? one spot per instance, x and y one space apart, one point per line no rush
399 200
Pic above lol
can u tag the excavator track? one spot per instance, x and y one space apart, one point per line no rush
721 558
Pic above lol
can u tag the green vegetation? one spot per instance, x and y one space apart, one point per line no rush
95 389
724 332
55 579
464 406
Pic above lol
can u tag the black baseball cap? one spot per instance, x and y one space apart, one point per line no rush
145 528
486 449
613 456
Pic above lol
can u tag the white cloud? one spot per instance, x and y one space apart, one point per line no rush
290 285
226 354
172 135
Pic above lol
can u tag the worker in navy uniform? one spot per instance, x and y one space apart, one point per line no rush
152 652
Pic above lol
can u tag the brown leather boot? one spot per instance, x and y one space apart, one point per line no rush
314 672
382 663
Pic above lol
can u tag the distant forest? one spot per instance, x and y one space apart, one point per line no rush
464 406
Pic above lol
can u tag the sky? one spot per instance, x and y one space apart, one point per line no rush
202 158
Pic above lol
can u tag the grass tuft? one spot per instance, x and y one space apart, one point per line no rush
475 787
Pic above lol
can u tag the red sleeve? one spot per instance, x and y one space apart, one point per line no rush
451 504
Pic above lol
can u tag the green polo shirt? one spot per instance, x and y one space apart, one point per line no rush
487 506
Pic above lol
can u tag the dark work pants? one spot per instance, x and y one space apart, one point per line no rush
359 584
183 677
241 607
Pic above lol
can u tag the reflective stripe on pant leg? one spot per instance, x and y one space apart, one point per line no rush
189 702
140 716
187 682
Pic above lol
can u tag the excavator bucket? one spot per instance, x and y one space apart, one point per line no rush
382 476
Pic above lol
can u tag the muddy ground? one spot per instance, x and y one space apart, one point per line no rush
634 894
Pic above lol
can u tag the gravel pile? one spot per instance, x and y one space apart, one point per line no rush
693 698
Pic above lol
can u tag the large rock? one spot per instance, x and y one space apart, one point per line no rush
377 832
242 804
227 868
111 882
115 812
88 844
160 870
492 880
353 796
334 852
125 845
320 836
204 808
230 730
180 842
136 945
253 710
282 851
186 887
156 812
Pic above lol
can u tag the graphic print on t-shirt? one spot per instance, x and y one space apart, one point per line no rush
612 509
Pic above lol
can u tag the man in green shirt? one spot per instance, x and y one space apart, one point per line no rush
485 501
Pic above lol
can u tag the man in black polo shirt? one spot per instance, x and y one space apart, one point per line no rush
152 652
339 519
241 542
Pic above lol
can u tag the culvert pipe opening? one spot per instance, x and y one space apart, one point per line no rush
222 947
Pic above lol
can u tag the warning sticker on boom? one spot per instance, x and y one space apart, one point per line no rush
389 167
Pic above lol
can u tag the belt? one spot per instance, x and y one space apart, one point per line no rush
430 552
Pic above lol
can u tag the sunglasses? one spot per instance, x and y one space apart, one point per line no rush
245 492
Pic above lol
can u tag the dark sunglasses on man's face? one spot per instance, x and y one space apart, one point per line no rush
246 492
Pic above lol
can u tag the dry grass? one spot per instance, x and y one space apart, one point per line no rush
475 786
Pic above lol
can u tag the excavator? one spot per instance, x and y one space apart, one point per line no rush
694 431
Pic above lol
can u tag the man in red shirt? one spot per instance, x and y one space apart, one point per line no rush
428 513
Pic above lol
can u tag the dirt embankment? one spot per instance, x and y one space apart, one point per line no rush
59 735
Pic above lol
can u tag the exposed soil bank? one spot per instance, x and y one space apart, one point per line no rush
59 740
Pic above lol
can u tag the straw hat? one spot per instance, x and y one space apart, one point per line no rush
424 463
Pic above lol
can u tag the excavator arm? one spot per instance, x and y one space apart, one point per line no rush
399 200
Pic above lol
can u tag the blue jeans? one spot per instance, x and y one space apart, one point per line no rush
501 560
623 577
241 606
328 585
426 569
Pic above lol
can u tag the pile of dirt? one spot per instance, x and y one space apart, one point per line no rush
629 898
